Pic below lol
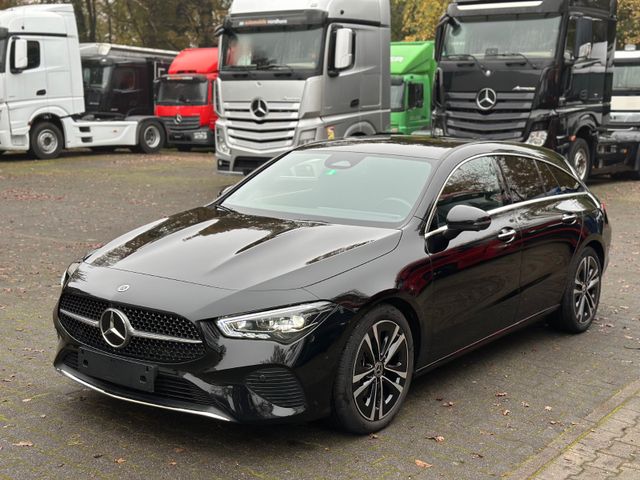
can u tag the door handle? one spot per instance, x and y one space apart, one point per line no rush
569 218
507 235
41 92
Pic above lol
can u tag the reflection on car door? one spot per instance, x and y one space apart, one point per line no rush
475 275
550 220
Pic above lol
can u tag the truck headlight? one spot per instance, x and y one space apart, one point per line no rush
68 273
537 138
221 143
283 325
307 136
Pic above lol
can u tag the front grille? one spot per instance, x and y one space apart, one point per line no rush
276 385
186 125
507 120
166 386
275 131
143 320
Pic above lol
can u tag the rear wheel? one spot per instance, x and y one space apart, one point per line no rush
151 137
580 158
582 294
375 372
45 140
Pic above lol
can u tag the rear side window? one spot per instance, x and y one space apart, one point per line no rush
475 183
549 182
522 177
566 183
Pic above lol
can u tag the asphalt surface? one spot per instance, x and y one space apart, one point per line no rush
485 415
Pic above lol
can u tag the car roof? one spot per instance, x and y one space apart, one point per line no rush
437 148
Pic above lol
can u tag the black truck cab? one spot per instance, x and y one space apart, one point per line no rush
536 71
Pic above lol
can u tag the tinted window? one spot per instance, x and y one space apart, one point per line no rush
523 178
474 183
549 181
416 95
566 182
33 54
125 79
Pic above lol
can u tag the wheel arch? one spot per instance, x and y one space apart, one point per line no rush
49 117
360 129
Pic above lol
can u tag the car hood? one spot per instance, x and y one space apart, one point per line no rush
234 251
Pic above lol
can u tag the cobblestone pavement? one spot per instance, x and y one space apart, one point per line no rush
517 408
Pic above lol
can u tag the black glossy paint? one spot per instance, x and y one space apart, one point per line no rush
207 262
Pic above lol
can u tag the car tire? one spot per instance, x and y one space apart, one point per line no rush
151 137
45 141
580 158
582 295
365 371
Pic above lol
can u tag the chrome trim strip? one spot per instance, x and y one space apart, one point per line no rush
533 201
134 332
89 321
140 402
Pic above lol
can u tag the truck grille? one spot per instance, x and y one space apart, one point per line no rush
507 120
277 129
182 342
186 125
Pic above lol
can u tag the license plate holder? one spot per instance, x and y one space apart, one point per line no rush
122 372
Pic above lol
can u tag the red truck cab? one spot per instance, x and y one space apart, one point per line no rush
184 100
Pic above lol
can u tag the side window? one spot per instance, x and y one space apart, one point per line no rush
124 79
599 46
549 181
566 182
476 183
522 177
416 95
33 54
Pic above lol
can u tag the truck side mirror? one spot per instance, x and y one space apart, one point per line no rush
20 57
343 56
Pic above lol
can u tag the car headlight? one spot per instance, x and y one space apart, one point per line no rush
284 325
307 136
221 143
537 138
68 273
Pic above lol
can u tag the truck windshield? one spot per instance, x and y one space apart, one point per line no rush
96 76
182 92
626 77
501 37
397 94
298 49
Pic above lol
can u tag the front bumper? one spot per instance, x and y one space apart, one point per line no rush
249 381
201 137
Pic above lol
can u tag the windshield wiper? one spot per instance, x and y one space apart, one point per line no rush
223 208
517 54
275 66
467 56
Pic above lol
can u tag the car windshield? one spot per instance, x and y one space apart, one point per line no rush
534 37
182 92
96 76
297 49
626 77
335 186
397 94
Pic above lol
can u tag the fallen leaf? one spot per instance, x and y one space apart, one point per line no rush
437 438
43 416
119 461
477 455
548 408
178 449
25 400
448 404
422 464
373 436
553 422
98 455
439 399
173 463
524 404
23 444
506 412
501 394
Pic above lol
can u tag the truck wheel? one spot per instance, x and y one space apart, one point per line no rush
150 138
580 158
45 140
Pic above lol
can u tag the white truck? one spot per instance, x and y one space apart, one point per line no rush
298 71
41 89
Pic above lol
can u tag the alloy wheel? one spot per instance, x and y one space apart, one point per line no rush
586 290
580 163
380 370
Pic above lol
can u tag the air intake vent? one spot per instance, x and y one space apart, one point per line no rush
278 386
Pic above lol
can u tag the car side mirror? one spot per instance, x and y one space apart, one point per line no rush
465 218
20 57
343 56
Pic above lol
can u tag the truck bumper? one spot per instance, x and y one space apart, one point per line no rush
202 137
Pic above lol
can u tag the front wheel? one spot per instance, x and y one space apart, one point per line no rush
375 372
580 158
582 294
45 141
151 137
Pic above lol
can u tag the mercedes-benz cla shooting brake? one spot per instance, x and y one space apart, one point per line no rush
324 282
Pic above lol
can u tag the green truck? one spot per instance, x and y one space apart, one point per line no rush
412 69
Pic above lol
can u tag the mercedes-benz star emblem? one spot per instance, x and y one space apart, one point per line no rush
178 119
123 288
259 108
115 328
486 99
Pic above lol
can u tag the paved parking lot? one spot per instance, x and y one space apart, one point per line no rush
501 411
